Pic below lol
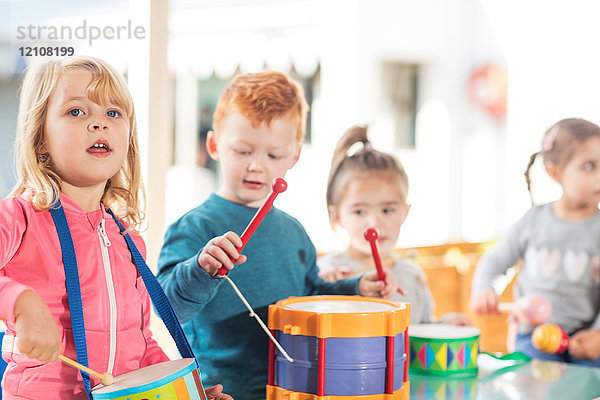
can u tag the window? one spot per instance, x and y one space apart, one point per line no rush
400 88
210 89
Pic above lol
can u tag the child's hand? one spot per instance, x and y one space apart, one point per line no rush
484 302
215 393
36 329
335 274
219 252
370 285
585 344
455 318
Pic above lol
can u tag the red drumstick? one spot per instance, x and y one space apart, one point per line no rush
279 185
371 235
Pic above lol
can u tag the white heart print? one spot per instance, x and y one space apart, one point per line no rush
531 261
549 261
575 264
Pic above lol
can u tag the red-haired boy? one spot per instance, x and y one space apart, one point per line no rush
258 126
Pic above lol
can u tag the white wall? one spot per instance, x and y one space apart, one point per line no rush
449 40
467 169
551 50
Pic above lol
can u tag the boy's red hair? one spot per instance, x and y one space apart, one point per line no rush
262 97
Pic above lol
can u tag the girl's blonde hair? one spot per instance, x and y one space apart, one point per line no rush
124 191
345 166
559 143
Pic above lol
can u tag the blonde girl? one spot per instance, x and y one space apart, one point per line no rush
559 243
77 157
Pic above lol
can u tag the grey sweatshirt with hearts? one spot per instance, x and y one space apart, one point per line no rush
561 262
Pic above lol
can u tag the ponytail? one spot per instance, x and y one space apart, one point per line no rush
352 136
527 177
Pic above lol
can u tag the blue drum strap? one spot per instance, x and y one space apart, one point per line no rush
159 299
73 289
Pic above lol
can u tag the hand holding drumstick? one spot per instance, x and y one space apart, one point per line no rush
384 281
221 253
374 283
38 334
371 235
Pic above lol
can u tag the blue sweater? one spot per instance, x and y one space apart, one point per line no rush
230 346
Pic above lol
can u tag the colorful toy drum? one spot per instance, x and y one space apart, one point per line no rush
443 350
343 346
170 380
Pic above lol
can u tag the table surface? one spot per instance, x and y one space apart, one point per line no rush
536 379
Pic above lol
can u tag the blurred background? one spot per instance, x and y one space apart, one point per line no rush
460 90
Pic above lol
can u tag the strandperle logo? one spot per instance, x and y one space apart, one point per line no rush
83 31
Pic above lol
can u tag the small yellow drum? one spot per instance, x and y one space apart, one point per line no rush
443 350
343 347
170 380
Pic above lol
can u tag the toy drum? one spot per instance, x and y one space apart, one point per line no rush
169 380
347 346
443 350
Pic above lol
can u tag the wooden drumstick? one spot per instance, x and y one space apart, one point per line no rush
260 321
371 235
105 378
279 185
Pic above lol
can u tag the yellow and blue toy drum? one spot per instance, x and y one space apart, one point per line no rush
443 350
347 347
170 380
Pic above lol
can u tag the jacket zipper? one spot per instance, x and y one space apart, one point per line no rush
104 244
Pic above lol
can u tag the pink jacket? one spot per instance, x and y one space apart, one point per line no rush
116 305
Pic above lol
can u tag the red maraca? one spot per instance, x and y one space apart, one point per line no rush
371 235
279 185
550 338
